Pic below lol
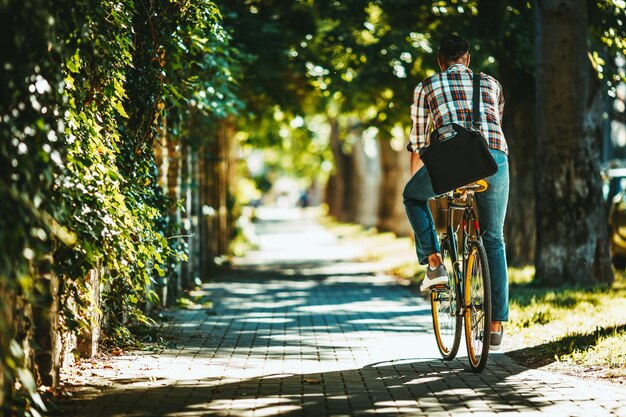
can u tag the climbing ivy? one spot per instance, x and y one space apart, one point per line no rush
88 87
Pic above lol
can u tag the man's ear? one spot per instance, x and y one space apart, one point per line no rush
468 60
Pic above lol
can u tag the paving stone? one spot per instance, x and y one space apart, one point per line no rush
304 329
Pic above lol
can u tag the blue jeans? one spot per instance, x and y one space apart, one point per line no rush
491 205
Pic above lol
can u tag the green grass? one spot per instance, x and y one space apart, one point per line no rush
609 350
580 325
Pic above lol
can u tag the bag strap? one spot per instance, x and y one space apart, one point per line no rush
476 102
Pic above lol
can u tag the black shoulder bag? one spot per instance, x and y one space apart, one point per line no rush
456 156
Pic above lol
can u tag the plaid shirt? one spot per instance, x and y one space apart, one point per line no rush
446 97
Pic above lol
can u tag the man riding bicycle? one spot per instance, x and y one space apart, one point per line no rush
443 98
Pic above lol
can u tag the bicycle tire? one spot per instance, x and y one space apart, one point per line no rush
477 312
447 324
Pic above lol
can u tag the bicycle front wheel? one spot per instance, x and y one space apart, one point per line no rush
477 291
443 302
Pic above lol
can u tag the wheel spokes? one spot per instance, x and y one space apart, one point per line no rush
476 321
476 317
444 305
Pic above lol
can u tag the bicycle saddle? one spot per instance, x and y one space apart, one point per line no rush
478 187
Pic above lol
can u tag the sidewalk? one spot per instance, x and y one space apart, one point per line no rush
302 329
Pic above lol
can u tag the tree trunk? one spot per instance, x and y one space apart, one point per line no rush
224 176
206 213
389 185
572 244
214 205
162 162
188 229
87 339
174 181
7 304
365 181
395 172
197 220
352 190
337 182
519 227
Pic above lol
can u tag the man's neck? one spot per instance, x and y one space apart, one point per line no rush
451 64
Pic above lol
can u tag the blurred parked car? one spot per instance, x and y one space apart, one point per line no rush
614 192
617 229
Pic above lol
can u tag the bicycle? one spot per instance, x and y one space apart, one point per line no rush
468 282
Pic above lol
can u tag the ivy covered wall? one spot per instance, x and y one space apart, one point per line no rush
107 109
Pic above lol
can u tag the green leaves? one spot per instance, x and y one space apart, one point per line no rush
73 63
117 105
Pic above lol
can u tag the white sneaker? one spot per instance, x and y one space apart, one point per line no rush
434 277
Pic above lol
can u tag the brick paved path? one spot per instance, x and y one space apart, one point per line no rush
300 330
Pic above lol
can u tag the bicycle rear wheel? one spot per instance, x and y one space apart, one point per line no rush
443 302
477 290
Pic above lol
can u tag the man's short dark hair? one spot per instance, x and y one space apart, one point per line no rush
451 47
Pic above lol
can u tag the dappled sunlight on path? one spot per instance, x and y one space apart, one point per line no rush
301 328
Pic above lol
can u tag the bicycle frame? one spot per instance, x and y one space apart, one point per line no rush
469 220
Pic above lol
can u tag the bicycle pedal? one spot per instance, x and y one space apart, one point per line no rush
439 288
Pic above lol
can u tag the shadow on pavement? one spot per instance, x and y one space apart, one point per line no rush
393 388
